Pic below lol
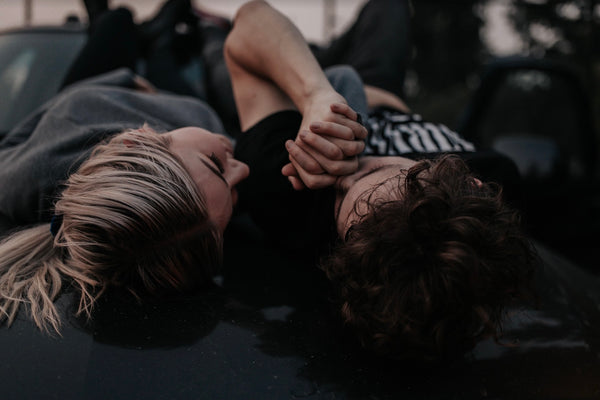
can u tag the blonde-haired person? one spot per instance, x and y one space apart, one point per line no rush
129 207
140 210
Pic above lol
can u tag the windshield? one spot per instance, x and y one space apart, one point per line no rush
30 60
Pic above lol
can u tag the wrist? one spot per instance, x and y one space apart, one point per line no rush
321 96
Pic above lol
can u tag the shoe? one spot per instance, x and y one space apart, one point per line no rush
94 8
172 12
208 18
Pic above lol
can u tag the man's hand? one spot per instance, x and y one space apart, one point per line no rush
143 85
328 149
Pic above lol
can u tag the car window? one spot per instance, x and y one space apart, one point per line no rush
32 66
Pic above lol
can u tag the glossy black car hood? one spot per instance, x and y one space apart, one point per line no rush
268 333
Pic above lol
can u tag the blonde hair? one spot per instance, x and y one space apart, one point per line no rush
132 217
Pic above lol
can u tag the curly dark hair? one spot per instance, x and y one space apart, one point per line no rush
428 274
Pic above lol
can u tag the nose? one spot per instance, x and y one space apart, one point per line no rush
237 172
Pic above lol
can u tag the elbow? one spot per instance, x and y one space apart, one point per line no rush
248 9
243 17
243 29
231 48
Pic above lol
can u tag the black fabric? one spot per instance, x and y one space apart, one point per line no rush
297 220
112 44
117 42
377 45
394 133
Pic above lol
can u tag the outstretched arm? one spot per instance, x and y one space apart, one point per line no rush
272 69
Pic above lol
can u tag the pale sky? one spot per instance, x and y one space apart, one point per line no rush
308 15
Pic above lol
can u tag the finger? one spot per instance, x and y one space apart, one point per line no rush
304 158
344 109
338 128
296 183
349 148
352 122
289 170
324 145
143 85
313 181
331 147
331 167
360 131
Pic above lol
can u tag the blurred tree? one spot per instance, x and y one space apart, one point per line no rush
561 29
568 30
447 57
449 50
447 46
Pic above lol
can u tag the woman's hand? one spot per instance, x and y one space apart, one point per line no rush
143 85
327 149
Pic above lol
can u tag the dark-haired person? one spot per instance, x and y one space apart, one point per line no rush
423 255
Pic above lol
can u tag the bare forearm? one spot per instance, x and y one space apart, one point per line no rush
380 97
272 69
266 43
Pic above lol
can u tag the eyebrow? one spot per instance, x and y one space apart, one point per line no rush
214 170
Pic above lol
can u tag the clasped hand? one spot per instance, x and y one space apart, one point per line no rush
326 147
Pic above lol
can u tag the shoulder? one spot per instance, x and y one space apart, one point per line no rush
268 135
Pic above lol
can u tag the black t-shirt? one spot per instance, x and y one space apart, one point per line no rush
298 220
394 133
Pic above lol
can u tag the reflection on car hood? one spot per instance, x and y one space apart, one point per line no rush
267 334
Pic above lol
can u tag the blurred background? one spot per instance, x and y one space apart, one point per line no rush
519 76
453 39
309 15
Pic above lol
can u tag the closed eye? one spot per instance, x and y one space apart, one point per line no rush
213 157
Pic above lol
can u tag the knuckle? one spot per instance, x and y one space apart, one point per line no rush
345 108
353 149
311 182
360 146
294 151
336 169
348 133
313 168
335 153
360 132
309 138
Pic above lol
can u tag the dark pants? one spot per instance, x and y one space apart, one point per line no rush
377 45
112 43
115 41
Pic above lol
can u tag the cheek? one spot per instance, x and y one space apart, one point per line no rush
219 205
224 219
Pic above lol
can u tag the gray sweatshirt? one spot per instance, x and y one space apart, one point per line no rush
40 153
